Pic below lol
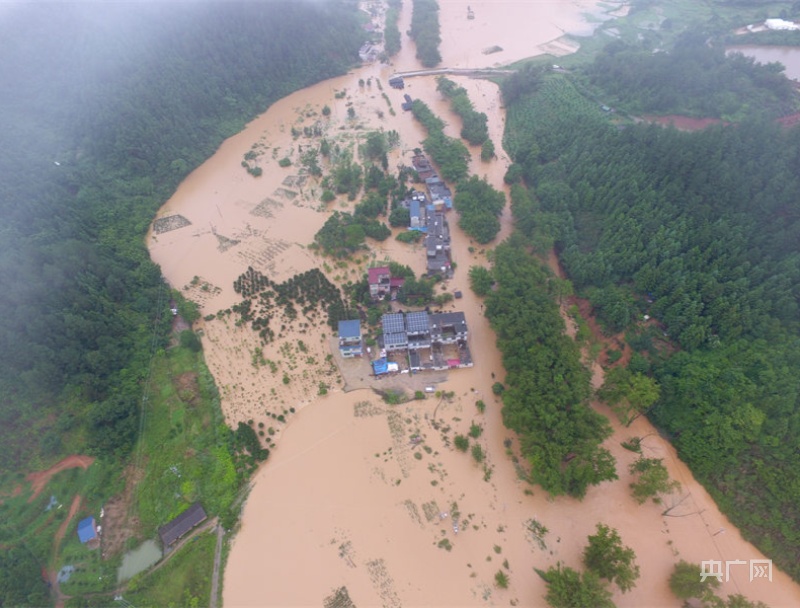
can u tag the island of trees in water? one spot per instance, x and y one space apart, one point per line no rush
697 230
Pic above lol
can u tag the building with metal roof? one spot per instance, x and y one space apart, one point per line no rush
87 530
448 327
182 525
418 330
350 344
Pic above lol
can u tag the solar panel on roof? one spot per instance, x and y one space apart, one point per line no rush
393 323
394 339
417 322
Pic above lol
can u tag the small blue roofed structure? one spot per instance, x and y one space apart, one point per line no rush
380 366
87 530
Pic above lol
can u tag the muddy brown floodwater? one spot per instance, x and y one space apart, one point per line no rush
366 497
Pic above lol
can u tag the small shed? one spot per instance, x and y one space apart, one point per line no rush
87 529
181 525
380 366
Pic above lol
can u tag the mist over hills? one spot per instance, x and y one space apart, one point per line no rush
106 107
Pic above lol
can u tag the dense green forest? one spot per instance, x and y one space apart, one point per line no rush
106 108
692 79
547 387
698 230
474 129
449 154
126 110
391 32
426 32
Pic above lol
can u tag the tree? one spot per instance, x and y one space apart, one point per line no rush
607 557
487 151
376 146
400 216
653 480
567 588
480 279
189 339
630 394
687 582
461 442
738 601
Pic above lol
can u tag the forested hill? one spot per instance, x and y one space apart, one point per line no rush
700 231
105 107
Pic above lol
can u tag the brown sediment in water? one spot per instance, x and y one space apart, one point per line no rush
354 494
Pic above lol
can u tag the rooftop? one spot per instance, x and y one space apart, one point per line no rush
350 329
374 274
449 319
392 323
86 530
191 517
417 322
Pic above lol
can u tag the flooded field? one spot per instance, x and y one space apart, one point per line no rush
371 502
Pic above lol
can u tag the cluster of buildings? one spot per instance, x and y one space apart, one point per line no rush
416 341
427 214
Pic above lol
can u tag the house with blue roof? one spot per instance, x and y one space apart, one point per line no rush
415 212
87 530
350 342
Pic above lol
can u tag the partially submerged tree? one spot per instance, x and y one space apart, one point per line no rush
687 582
629 394
653 480
568 588
606 556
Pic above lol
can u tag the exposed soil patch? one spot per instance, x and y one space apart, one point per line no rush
186 385
615 342
40 478
684 123
118 527
789 121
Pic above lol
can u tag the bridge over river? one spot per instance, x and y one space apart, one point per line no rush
454 71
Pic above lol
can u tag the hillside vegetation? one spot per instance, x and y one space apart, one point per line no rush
107 108
698 230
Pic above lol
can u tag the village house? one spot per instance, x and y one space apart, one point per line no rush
176 529
415 213
431 341
422 166
418 330
350 342
394 332
448 327
437 245
381 282
87 530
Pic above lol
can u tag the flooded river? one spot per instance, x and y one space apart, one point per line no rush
789 56
351 502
